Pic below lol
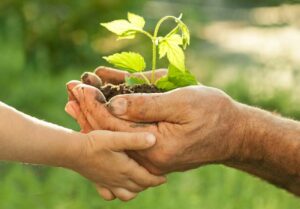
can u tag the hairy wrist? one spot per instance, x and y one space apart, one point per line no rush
266 135
236 131
270 148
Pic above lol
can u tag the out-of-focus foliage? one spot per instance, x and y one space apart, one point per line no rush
250 49
58 33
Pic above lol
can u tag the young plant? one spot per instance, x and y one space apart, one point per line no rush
172 46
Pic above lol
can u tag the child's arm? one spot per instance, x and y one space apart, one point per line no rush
97 156
29 140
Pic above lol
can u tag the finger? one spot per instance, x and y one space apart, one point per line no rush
70 110
149 107
91 79
88 97
110 75
73 109
92 104
123 194
134 187
105 193
157 74
70 85
114 76
121 141
145 179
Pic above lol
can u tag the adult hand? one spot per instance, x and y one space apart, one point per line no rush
200 125
194 125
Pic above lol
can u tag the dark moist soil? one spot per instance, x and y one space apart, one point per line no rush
110 90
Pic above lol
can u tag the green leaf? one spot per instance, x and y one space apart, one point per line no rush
185 34
119 27
163 48
132 80
181 78
175 39
129 61
176 56
175 79
127 35
136 20
164 84
170 47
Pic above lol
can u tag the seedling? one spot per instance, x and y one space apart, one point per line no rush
171 46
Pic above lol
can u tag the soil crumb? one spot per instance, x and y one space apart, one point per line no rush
110 90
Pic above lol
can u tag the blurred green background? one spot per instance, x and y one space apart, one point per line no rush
250 49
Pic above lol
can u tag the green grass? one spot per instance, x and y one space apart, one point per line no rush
211 187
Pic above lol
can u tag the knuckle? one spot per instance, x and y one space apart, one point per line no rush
126 171
114 142
162 159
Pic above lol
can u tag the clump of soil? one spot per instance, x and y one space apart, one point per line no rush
111 90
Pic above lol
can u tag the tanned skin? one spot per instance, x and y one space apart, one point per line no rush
196 126
270 149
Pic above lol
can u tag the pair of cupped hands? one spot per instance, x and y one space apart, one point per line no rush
148 135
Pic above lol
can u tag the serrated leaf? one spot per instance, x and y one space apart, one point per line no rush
163 49
136 20
174 53
132 80
185 34
127 35
119 27
176 79
164 84
170 46
181 78
129 61
175 39
176 56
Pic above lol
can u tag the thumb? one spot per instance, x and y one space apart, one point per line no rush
121 141
145 107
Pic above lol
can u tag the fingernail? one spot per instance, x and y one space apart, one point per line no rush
151 139
91 79
100 97
118 106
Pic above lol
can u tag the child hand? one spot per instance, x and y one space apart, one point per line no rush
101 159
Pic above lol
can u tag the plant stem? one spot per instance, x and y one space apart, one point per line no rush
145 33
154 53
155 43
154 40
145 78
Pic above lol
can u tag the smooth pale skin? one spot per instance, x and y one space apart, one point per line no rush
99 156
195 126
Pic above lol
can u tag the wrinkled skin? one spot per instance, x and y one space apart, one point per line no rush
194 126
195 131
